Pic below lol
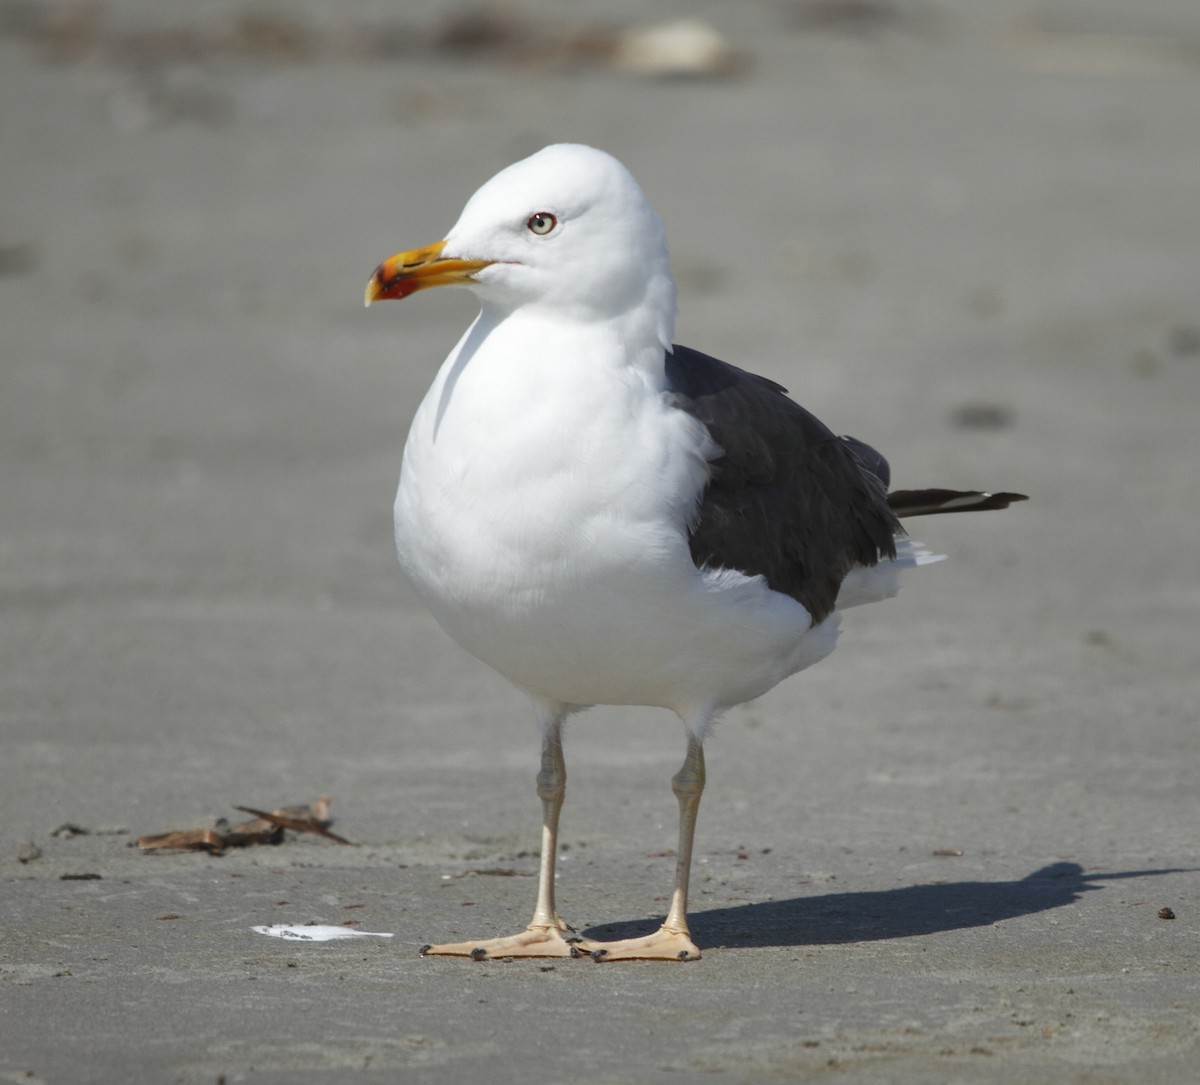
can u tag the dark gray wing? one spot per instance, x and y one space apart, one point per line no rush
871 460
789 499
931 502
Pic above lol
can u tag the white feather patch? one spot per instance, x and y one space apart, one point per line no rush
315 932
870 585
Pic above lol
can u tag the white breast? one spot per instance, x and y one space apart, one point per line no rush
542 516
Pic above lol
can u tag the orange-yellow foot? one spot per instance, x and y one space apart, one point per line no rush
663 945
534 941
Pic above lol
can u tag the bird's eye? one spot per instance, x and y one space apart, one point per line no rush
541 223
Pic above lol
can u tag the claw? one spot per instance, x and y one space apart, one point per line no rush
665 944
538 940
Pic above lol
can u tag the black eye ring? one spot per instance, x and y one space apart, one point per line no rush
541 223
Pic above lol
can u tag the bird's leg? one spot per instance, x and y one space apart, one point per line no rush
544 936
551 788
672 941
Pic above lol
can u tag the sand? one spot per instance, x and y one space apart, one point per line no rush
965 233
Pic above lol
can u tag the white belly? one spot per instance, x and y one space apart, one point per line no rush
542 516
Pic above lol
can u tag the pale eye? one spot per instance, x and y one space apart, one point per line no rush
541 223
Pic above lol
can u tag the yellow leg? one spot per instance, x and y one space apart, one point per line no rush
544 937
672 941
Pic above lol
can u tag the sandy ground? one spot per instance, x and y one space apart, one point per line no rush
965 232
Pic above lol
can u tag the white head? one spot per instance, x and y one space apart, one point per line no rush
567 230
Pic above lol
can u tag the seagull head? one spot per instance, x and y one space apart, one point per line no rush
567 231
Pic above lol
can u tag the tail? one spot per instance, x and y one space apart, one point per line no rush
928 502
868 584
924 502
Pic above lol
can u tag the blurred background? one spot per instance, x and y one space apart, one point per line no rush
966 232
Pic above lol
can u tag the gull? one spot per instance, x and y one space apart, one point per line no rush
605 517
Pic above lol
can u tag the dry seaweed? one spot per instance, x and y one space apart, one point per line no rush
266 827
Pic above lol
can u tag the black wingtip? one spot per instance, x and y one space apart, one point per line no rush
935 501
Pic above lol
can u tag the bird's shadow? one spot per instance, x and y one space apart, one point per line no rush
833 918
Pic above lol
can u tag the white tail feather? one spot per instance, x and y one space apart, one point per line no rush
882 581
